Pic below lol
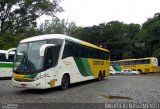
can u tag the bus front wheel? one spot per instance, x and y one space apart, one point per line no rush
65 82
140 71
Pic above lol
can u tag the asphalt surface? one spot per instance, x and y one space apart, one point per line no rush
120 88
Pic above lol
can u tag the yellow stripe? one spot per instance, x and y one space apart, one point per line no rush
93 46
17 76
20 77
96 67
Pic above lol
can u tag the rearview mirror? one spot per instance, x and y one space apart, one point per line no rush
43 48
8 51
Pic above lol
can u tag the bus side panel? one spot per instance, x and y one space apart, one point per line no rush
154 69
79 69
65 66
6 69
145 68
92 67
117 68
72 66
5 72
97 65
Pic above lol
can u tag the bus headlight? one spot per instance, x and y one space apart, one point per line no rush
40 77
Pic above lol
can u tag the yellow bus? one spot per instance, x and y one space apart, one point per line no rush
143 65
48 61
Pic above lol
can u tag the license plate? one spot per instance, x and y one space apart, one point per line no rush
23 85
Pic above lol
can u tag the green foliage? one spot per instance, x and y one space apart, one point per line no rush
113 35
57 26
156 53
18 19
128 55
120 38
142 36
116 36
150 34
8 40
152 26
16 14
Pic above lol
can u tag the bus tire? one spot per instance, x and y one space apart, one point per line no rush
140 71
104 74
100 76
65 82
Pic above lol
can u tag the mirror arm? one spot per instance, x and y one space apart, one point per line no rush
8 51
43 48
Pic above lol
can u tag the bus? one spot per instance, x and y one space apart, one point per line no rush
52 60
6 64
143 65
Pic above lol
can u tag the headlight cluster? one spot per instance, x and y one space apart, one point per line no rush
40 76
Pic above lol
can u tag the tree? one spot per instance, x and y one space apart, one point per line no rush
8 40
15 14
150 34
127 55
132 30
58 26
156 53
152 26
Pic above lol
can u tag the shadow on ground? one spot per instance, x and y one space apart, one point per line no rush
55 89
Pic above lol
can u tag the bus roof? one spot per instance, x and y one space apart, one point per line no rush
2 51
134 59
5 51
60 36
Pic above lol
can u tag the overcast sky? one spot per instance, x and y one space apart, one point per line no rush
94 12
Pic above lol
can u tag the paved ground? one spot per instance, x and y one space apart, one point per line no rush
137 88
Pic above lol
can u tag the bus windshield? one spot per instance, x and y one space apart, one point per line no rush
27 59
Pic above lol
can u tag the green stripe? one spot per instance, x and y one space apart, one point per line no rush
6 65
117 68
83 66
31 75
80 66
87 67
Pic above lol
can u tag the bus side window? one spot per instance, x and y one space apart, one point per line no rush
68 50
11 57
147 61
2 57
51 56
48 58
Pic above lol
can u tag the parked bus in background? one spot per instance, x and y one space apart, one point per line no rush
48 61
143 65
6 64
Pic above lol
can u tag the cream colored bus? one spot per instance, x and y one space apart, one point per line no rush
143 65
48 61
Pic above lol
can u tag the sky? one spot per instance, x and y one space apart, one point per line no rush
93 12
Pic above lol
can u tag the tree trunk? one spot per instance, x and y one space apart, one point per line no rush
2 25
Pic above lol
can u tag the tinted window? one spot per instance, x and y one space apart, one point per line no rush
77 50
3 57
